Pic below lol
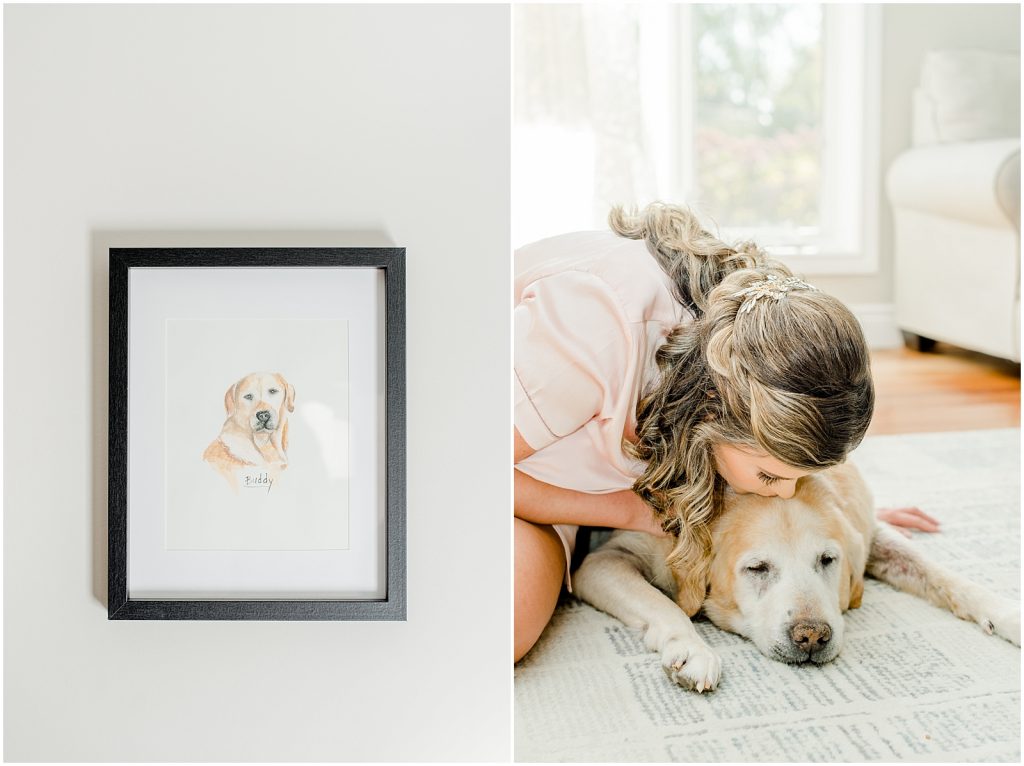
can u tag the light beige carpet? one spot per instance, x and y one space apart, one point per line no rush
913 683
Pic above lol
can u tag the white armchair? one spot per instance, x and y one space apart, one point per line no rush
955 196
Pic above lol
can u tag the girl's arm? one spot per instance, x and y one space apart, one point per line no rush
543 503
520 449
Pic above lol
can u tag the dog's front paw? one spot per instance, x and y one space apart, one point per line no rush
691 664
1002 619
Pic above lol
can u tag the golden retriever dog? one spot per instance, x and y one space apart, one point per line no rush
783 572
252 448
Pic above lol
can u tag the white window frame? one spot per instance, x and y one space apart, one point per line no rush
848 242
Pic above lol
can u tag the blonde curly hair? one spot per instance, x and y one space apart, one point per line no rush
790 377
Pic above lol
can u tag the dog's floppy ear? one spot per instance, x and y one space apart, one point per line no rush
856 591
289 392
852 584
229 400
690 590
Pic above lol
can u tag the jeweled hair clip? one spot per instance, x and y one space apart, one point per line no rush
771 286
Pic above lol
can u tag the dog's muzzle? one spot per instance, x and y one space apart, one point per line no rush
264 421
808 641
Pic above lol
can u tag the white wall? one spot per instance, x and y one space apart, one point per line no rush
257 118
909 31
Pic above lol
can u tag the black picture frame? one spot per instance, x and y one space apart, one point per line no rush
393 605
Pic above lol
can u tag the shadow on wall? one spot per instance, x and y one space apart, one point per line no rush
100 242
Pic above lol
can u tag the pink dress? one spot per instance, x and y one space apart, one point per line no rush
592 308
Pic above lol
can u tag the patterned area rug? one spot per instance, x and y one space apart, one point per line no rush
913 683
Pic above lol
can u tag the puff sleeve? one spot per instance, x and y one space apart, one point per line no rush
572 353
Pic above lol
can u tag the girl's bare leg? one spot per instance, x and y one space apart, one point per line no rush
540 571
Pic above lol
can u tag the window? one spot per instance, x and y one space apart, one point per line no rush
755 115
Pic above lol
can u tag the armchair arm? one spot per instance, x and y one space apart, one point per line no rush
975 181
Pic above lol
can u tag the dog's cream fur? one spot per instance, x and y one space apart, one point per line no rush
783 572
249 440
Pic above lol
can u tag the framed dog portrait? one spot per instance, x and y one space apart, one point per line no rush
257 434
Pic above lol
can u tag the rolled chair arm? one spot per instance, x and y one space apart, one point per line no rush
975 181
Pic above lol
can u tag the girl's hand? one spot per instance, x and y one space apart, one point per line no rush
642 517
908 518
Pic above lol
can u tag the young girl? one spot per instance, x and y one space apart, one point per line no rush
654 366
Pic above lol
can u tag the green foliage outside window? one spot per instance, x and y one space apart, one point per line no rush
758 104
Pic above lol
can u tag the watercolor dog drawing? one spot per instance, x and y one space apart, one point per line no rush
783 572
252 448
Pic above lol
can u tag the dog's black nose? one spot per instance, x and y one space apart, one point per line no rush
808 636
263 416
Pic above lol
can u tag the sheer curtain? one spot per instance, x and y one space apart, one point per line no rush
726 107
580 136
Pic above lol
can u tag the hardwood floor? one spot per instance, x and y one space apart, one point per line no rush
948 389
